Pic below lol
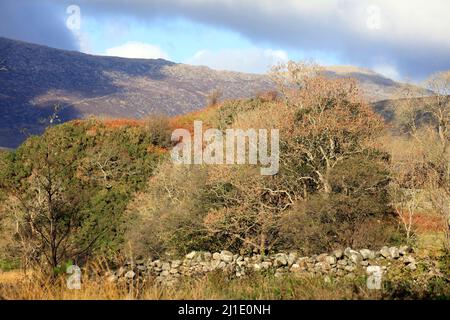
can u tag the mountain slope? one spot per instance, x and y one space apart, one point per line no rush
38 77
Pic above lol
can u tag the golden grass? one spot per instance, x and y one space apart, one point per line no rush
14 285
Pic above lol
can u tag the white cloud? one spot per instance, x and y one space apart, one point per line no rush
134 49
387 70
412 34
255 60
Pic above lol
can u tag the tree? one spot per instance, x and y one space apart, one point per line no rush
213 97
47 198
427 121
331 123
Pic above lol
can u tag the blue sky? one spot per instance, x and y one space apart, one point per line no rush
185 41
402 39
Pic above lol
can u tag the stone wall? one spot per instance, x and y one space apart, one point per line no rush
339 263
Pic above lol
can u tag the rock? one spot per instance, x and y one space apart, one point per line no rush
338 253
266 265
355 257
291 258
165 266
347 252
241 263
322 266
295 268
412 266
367 254
120 272
164 273
340 273
222 265
215 264
281 259
409 259
394 252
130 274
342 262
330 260
257 267
141 268
191 255
157 263
404 250
216 256
176 263
385 252
111 278
226 256
349 268
321 257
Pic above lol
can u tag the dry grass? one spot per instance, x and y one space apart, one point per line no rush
15 285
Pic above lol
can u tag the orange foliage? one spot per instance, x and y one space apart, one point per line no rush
426 222
156 150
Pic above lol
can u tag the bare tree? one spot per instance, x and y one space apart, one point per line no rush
427 120
213 97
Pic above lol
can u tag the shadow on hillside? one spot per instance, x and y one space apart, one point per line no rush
34 120
34 70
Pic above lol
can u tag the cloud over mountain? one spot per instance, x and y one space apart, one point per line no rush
411 36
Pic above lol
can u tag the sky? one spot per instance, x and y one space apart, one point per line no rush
401 39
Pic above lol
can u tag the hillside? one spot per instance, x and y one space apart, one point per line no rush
38 77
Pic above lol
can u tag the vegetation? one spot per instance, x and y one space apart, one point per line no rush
106 188
67 190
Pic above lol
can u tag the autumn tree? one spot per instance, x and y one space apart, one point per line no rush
330 122
427 121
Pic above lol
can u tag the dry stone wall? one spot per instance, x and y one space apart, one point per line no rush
340 263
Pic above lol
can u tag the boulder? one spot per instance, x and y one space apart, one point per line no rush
338 253
394 252
331 260
367 254
281 259
385 253
226 256
404 250
165 266
291 258
353 256
191 255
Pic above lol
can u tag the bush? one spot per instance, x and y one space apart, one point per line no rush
356 213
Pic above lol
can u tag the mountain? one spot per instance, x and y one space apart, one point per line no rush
38 77
375 86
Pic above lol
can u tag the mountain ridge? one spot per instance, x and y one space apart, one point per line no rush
39 77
